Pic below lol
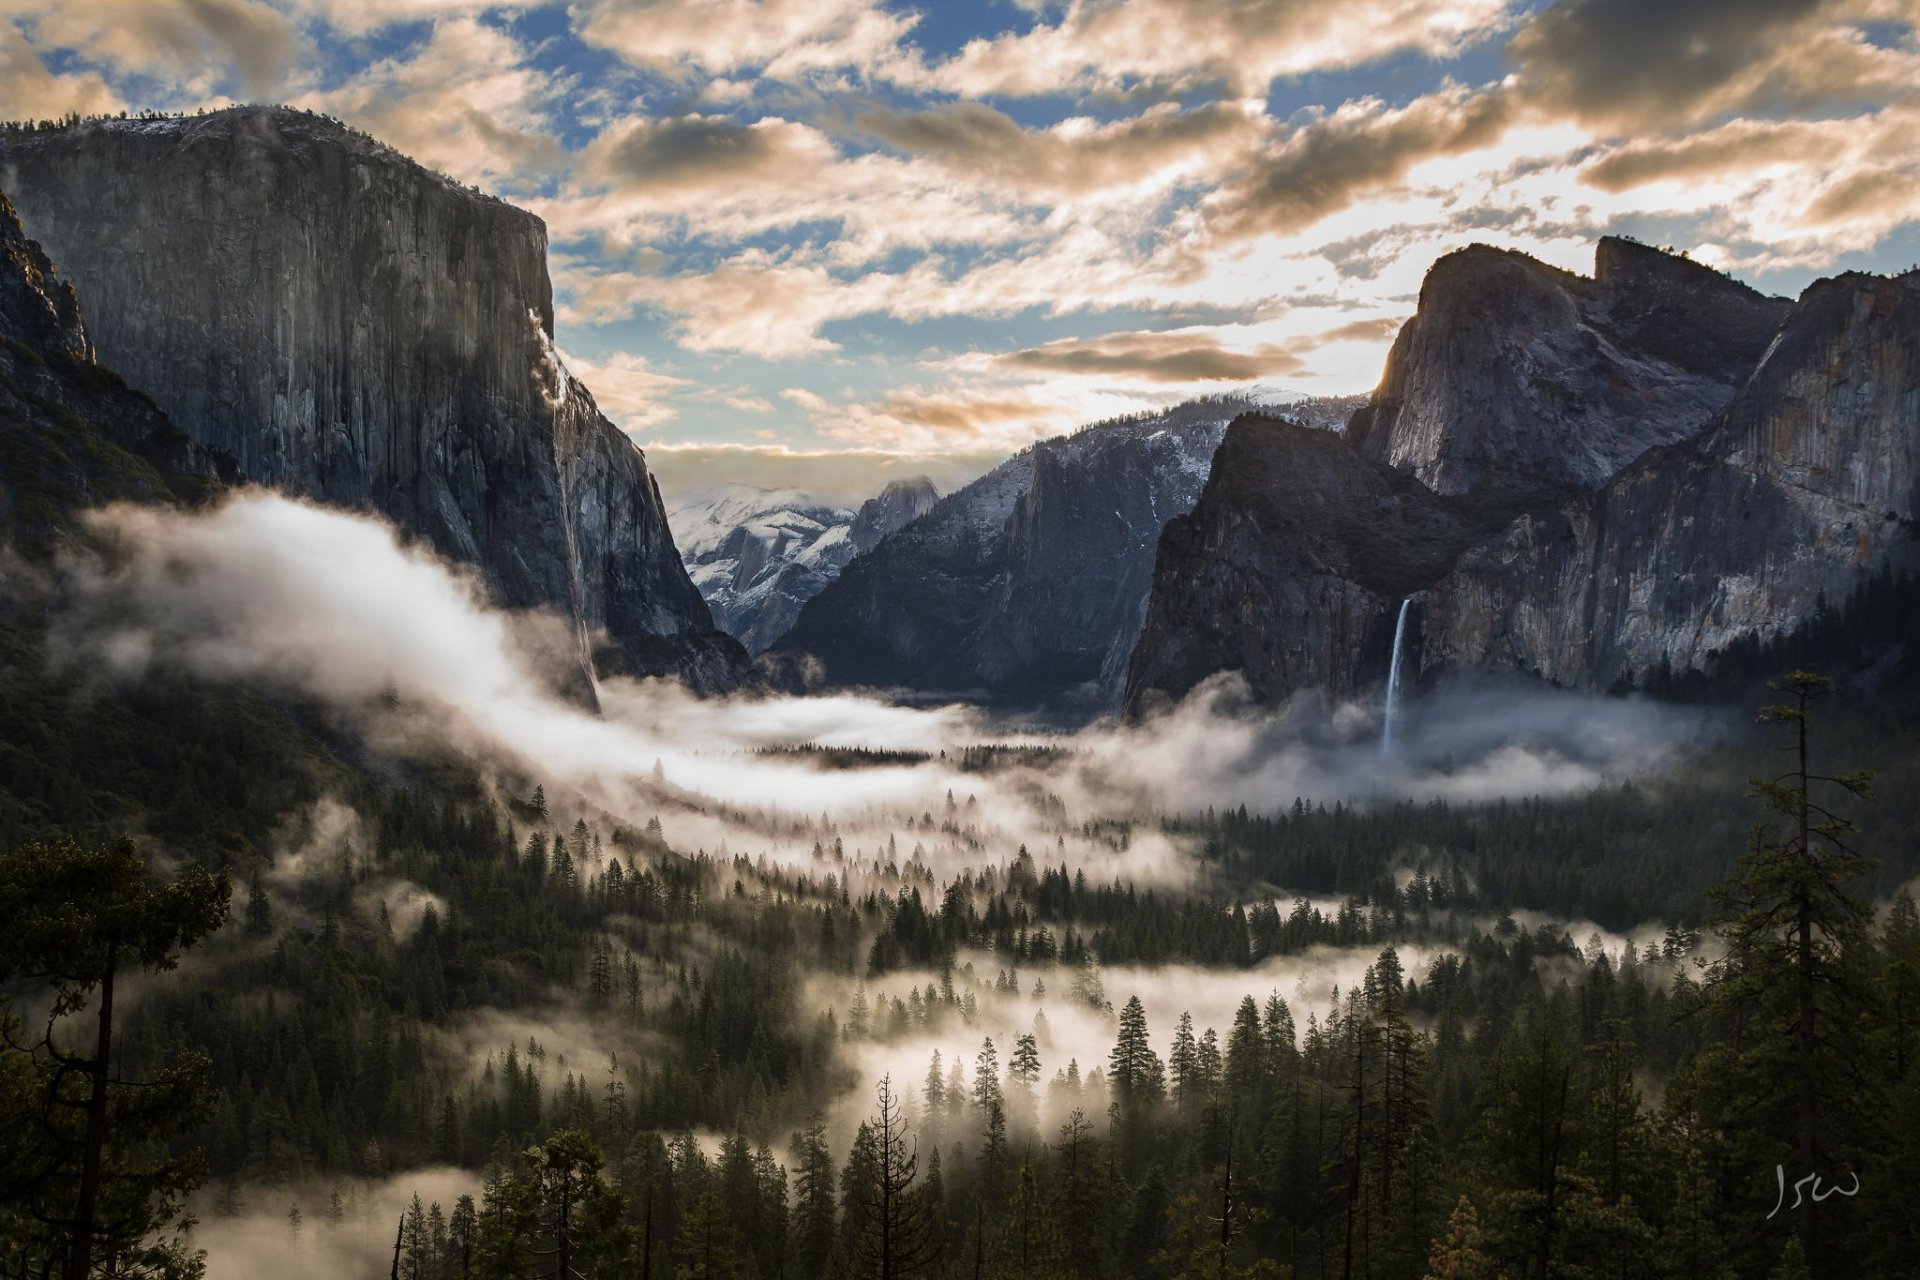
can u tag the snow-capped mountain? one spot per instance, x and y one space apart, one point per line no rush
758 555
1028 585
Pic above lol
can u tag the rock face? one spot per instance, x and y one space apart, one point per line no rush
1290 566
351 327
1806 483
1026 586
1520 380
73 435
1293 564
758 555
894 507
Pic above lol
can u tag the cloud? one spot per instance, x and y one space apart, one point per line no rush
258 1240
1363 149
1158 357
1876 197
270 589
628 389
196 43
1188 356
703 154
1624 65
971 408
1075 156
1799 191
1737 147
28 91
846 476
779 39
771 309
362 17
465 102
1121 44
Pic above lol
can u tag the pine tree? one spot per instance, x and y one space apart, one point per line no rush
813 1209
896 1237
1029 1247
1181 1056
709 1246
259 908
1786 1090
1523 1147
991 1105
1084 1208
86 1162
1457 1255
1023 1080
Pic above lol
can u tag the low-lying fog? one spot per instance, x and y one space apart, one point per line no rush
274 590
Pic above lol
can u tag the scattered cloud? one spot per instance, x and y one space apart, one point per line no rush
1116 46
1076 156
779 39
28 91
190 44
1159 357
1364 148
1204 192
703 154
465 101
628 389
1625 65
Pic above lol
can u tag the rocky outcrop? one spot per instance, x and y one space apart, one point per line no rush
73 435
894 507
1028 585
1291 567
1518 380
1293 564
1802 487
354 328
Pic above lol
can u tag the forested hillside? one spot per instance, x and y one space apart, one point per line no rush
650 1058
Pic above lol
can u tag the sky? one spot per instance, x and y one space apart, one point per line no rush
842 238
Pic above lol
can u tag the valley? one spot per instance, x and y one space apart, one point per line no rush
1260 835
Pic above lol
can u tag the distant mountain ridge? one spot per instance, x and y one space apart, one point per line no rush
1027 586
351 327
758 555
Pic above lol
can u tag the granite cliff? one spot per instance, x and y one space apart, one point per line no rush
73 434
1803 485
351 327
1793 487
1518 379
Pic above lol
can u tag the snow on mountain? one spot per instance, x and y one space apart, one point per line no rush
758 555
1028 585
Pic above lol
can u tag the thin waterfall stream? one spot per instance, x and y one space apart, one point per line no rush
1393 678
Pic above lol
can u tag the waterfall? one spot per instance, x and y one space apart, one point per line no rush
1393 678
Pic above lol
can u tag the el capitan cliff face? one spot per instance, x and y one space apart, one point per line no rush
351 327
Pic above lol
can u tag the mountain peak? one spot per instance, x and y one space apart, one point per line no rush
1518 379
899 504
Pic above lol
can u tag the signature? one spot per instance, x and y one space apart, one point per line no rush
1780 1172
